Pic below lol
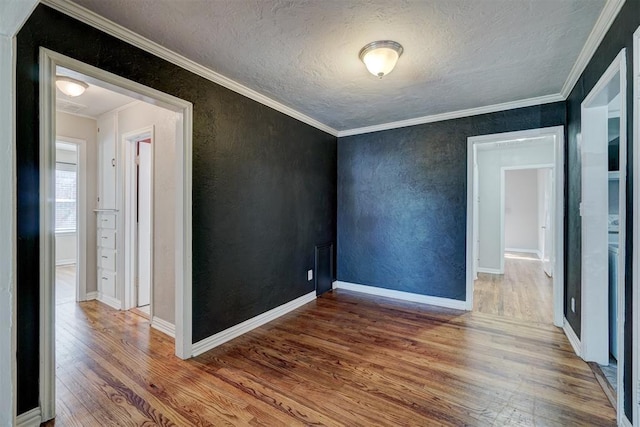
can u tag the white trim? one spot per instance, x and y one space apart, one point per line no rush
47 237
84 15
572 337
32 418
109 300
248 325
594 301
70 261
624 421
401 295
547 99
8 339
600 29
608 14
557 132
129 244
91 296
536 252
48 62
489 270
163 326
636 221
82 213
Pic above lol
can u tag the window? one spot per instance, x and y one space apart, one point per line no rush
66 193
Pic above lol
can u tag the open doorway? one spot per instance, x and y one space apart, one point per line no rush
70 227
524 287
138 210
105 219
500 254
603 208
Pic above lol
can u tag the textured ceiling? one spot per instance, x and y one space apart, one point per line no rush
93 102
458 54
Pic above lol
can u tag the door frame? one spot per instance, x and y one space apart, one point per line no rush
557 133
503 197
636 227
594 302
81 214
183 278
127 287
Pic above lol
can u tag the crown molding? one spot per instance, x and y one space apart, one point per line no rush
606 18
88 17
454 115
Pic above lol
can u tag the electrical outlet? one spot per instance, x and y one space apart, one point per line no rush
310 275
573 304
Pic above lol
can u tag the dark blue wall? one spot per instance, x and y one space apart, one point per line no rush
619 36
402 201
264 188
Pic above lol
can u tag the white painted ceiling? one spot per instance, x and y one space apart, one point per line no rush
93 102
458 54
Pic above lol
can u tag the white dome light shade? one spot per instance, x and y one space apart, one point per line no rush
381 57
70 87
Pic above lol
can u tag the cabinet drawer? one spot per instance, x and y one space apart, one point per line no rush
107 283
107 239
107 221
107 259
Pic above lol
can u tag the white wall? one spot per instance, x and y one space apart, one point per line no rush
490 162
76 127
521 210
136 117
544 179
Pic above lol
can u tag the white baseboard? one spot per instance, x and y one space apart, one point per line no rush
110 301
536 252
405 296
32 418
573 338
61 262
91 296
246 326
489 270
164 326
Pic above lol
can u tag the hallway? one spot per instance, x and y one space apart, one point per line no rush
524 292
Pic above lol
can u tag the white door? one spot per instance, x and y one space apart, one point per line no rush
548 257
144 223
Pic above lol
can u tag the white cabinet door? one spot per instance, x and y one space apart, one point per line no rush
107 155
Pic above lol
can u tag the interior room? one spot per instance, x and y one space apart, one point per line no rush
331 213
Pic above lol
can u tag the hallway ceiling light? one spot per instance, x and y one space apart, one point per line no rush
381 56
70 87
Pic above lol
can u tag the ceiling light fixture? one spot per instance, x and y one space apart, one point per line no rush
381 56
71 87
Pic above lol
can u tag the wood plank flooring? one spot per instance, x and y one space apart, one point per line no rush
344 359
523 292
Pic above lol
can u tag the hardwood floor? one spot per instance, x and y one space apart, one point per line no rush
65 284
523 292
344 359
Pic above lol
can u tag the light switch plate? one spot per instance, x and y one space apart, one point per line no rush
310 275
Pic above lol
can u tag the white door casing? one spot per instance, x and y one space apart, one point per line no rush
548 257
183 278
144 215
557 134
594 210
